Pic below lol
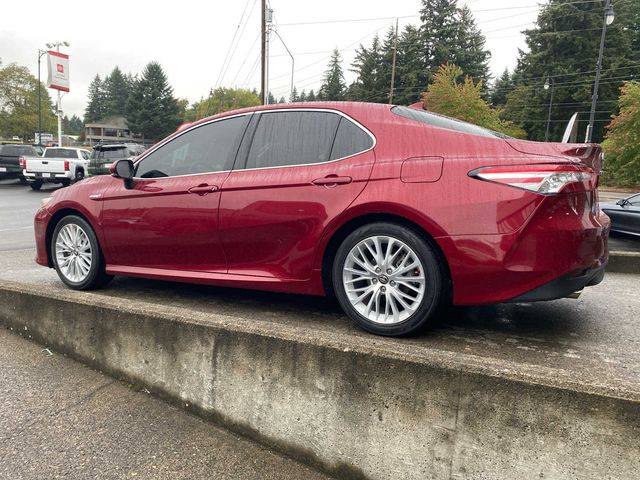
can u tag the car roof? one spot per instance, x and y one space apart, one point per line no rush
346 107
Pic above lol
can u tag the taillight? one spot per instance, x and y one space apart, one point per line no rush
66 165
544 179
23 162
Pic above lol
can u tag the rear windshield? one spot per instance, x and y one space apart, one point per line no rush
17 150
59 153
435 120
110 153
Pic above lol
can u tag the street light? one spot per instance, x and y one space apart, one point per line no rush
609 16
40 54
549 83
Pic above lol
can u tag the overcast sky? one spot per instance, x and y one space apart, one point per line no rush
191 38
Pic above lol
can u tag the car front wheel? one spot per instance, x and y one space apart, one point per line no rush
76 254
388 279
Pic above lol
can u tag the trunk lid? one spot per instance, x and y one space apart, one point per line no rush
589 154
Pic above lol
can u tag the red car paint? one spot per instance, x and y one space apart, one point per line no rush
272 228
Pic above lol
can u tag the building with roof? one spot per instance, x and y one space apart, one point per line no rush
112 129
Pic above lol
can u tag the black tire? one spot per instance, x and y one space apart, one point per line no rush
65 183
35 185
97 277
79 175
23 181
433 272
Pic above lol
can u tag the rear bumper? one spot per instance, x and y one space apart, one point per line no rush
563 286
562 248
47 177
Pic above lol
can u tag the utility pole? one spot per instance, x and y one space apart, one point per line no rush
608 20
393 64
263 63
40 54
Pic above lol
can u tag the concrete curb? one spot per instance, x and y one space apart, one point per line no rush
354 411
624 262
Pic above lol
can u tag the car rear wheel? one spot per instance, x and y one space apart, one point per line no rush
79 175
35 185
388 279
76 254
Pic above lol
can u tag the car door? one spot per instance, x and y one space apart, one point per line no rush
168 218
629 215
300 168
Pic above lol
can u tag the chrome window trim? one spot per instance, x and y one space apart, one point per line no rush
170 139
326 110
260 112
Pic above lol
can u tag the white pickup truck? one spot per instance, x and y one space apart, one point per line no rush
57 165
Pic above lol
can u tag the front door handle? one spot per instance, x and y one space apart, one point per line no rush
203 189
331 181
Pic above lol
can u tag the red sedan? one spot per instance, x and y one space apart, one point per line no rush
394 210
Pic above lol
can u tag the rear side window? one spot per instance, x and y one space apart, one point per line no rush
113 153
292 138
350 140
435 120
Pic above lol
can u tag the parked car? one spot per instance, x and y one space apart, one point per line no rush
57 165
104 155
624 214
9 160
394 210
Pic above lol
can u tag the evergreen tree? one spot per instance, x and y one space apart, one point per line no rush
152 108
450 35
271 99
303 96
312 96
470 53
294 96
500 88
439 33
116 88
282 100
96 107
411 77
564 45
72 126
333 85
365 66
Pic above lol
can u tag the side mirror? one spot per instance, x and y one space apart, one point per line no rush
622 202
125 170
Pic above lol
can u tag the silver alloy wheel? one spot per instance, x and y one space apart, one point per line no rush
384 279
73 253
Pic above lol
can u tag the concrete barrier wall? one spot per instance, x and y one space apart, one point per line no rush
351 413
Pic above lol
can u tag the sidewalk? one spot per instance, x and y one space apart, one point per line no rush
61 419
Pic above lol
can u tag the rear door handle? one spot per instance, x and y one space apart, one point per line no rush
203 189
332 181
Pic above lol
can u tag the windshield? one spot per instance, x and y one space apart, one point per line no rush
436 120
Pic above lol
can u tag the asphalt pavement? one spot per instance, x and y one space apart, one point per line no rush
18 205
60 419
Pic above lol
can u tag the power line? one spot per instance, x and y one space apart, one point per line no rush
228 56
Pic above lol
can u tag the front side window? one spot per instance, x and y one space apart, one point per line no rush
209 148
292 138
